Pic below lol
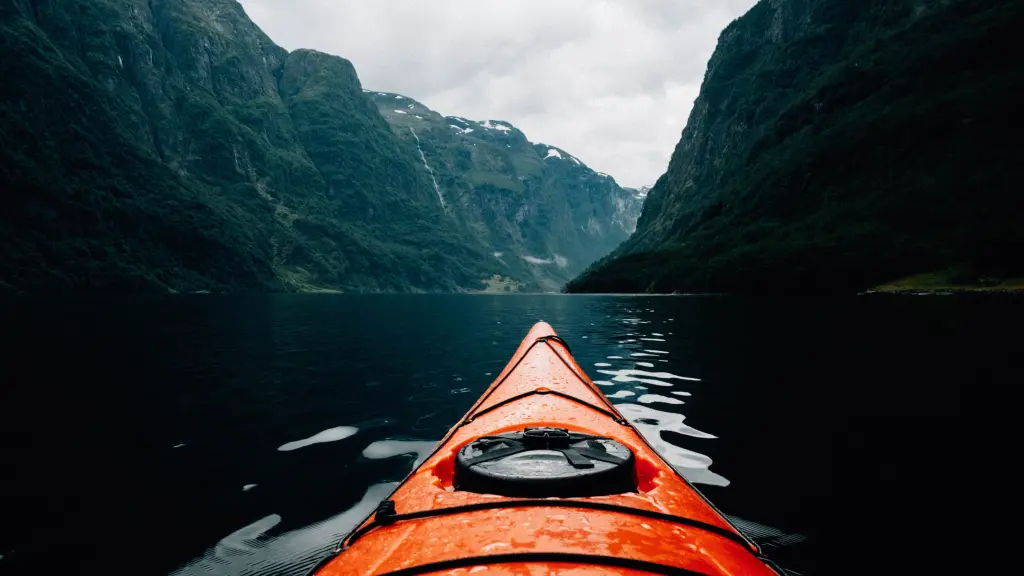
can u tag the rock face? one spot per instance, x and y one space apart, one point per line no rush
170 145
540 212
836 145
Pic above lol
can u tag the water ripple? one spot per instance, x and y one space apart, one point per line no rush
382 449
651 423
249 551
329 435
656 398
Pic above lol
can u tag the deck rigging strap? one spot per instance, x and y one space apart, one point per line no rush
608 411
541 391
546 557
386 515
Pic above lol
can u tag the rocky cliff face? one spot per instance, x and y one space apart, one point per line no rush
540 212
836 145
170 145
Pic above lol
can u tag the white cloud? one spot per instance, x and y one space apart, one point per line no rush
610 81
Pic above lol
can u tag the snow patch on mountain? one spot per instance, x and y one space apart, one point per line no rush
492 126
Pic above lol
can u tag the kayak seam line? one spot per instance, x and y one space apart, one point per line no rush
511 371
611 411
388 519
618 419
586 382
557 557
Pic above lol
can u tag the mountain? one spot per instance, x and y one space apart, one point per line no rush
836 146
640 193
170 145
540 212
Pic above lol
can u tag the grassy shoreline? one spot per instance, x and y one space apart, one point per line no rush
949 282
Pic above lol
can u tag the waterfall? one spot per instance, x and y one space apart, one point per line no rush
427 166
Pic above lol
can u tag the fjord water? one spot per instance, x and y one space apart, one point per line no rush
242 435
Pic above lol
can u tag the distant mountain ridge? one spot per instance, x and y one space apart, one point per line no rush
542 209
170 145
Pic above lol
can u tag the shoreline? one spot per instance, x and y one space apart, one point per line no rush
945 291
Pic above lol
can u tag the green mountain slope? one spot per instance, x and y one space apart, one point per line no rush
838 145
540 212
169 144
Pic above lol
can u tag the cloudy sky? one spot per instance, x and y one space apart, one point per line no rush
610 81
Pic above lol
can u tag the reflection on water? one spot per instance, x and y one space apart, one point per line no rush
382 449
330 435
627 376
250 551
656 398
621 394
198 395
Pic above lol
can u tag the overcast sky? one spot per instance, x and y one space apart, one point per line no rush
610 81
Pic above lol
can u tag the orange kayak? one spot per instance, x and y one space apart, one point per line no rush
543 475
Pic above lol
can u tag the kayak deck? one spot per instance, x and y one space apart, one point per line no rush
429 526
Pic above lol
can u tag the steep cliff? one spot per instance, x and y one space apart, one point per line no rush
836 145
170 145
541 213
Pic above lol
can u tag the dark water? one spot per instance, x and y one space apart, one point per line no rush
156 436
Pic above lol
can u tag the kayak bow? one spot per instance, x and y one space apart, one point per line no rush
544 475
